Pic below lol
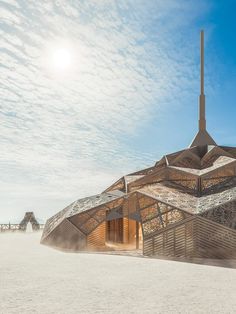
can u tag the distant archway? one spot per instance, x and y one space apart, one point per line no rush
29 218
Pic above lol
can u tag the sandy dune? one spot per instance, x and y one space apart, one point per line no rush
37 279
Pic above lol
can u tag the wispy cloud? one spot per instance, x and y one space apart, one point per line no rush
67 136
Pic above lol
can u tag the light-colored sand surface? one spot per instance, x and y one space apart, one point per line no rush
37 279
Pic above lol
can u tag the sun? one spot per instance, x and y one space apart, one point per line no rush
61 59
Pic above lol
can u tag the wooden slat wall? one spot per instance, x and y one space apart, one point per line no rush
176 241
215 240
196 237
125 230
97 238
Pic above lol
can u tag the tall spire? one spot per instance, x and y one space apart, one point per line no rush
202 137
202 119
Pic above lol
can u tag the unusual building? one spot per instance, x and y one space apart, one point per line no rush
183 206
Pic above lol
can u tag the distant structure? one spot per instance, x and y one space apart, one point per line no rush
183 206
29 218
22 226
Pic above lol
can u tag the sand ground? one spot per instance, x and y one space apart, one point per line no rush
37 279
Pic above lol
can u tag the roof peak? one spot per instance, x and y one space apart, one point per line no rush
202 138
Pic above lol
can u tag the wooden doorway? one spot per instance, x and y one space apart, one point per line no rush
115 230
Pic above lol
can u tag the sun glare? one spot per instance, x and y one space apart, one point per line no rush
61 59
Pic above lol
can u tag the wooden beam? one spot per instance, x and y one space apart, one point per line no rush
137 235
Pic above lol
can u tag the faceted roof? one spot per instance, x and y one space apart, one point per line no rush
193 180
173 180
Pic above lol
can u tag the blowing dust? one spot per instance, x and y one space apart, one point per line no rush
38 279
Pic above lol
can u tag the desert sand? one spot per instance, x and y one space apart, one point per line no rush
38 279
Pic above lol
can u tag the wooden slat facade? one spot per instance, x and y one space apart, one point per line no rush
195 237
97 238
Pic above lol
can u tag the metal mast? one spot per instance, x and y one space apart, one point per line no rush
202 114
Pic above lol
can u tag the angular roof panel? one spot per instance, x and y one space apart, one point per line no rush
187 202
218 163
94 201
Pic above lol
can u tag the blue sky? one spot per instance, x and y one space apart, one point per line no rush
129 96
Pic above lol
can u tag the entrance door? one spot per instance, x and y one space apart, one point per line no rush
115 230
